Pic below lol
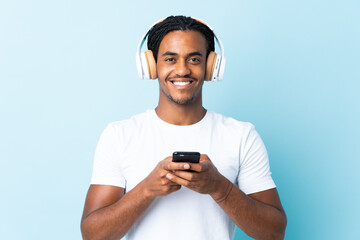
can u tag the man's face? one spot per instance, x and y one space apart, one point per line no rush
181 65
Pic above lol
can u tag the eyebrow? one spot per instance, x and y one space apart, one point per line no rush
168 53
195 54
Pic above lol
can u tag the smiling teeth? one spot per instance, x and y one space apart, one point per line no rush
181 83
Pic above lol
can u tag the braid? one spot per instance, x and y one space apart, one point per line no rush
178 23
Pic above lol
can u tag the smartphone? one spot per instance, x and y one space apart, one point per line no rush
191 157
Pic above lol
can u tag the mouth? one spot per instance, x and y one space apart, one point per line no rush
181 83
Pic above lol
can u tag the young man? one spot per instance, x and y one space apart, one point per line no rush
137 190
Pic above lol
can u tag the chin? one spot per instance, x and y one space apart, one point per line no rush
182 101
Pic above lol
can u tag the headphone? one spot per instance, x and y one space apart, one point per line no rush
146 65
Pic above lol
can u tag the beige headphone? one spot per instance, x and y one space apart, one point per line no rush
146 65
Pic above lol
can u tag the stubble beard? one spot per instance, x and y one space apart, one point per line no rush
180 101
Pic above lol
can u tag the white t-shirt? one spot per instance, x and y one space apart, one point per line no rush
129 150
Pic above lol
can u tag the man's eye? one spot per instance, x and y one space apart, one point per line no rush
195 60
170 59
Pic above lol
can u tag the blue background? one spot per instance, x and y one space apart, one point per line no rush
67 68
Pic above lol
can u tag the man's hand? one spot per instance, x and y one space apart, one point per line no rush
157 183
204 178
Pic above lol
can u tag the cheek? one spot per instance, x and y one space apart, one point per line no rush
162 70
200 71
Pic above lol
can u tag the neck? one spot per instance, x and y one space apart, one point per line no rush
177 114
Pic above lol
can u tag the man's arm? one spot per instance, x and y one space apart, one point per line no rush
109 213
259 215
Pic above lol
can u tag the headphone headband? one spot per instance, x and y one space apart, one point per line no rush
144 70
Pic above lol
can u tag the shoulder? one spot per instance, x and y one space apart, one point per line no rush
134 121
229 123
128 127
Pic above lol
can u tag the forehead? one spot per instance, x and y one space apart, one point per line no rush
182 42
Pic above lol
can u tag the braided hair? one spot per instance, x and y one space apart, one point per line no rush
178 23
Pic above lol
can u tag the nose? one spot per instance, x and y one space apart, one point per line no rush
182 68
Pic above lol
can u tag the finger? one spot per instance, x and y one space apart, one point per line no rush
167 160
171 166
162 164
189 176
204 157
179 180
175 188
168 189
166 182
200 167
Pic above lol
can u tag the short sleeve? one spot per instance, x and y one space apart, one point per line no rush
254 175
107 169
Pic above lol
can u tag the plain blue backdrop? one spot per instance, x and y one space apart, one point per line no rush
67 69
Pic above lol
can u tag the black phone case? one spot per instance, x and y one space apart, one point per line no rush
191 157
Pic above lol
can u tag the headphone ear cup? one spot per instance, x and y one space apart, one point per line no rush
210 65
151 64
